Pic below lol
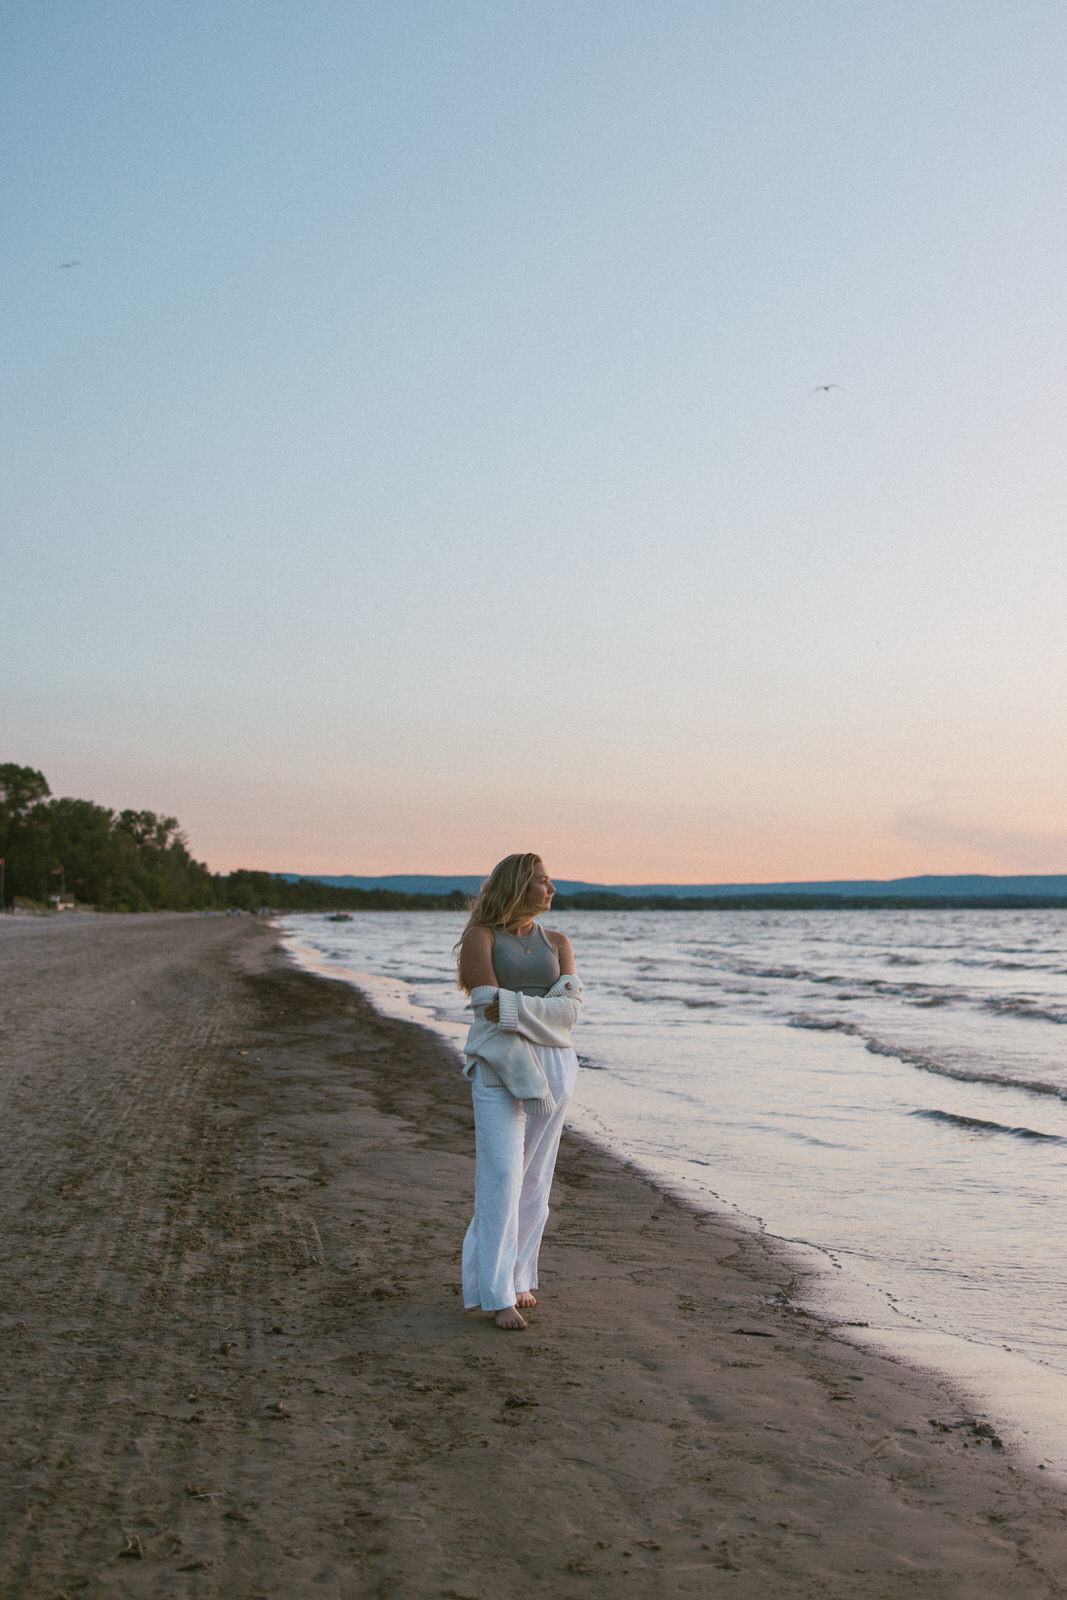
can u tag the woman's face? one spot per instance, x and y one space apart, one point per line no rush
539 894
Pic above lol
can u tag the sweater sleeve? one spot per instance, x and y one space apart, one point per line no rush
543 1019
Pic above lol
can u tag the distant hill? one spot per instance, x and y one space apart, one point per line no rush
978 886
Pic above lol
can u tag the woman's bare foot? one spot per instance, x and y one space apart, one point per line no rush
525 1299
510 1320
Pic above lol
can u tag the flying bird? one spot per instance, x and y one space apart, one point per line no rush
63 264
824 388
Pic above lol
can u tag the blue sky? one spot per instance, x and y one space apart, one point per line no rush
426 459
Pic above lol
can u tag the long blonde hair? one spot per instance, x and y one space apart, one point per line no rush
502 896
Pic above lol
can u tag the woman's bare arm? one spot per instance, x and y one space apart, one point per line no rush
562 946
476 958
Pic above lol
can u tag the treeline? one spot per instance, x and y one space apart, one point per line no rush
54 849
118 861
247 890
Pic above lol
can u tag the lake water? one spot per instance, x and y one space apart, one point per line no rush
885 1089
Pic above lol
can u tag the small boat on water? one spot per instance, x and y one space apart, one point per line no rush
339 916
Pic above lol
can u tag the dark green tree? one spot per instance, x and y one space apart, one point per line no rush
24 832
21 788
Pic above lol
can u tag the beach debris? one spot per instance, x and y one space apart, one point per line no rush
582 1564
724 1559
133 1549
755 1333
276 1409
515 1400
978 1430
387 1289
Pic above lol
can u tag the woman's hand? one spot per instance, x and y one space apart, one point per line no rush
492 1010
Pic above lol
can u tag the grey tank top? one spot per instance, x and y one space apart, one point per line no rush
526 974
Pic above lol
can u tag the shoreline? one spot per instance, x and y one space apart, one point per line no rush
1004 1387
233 1204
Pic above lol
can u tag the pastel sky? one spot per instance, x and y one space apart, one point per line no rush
427 456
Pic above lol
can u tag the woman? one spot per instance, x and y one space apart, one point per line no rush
525 998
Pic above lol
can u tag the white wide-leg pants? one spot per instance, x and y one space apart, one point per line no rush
515 1157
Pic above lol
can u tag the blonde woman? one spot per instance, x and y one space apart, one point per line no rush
526 999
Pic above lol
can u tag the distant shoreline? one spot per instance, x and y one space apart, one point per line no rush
943 890
353 900
342 901
375 900
801 902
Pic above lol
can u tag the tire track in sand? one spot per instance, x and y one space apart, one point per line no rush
120 1223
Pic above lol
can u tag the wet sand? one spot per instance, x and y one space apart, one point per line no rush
235 1364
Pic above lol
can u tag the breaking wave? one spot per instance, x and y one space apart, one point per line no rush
1015 1005
981 1125
926 1062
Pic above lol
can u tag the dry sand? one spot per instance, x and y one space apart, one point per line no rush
235 1365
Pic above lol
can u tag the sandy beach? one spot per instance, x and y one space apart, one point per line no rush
235 1363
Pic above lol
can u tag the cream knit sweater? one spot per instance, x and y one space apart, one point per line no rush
502 1049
